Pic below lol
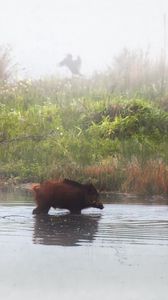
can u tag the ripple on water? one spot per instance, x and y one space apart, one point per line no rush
116 224
134 224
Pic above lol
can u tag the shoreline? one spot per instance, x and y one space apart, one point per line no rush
108 196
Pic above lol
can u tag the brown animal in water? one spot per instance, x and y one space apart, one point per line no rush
66 194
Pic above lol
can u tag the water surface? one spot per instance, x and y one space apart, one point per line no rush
118 253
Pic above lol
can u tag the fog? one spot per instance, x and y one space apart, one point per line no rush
42 32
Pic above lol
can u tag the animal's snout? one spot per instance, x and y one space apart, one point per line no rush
100 205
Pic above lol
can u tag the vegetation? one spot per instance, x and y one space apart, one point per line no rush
6 67
82 129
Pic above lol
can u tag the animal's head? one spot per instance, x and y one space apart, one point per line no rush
92 196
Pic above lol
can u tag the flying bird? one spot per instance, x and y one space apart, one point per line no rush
74 65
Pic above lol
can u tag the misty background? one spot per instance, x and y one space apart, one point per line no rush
42 32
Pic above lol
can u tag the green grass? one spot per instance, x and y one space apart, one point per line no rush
67 128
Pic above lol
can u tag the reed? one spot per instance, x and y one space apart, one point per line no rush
151 178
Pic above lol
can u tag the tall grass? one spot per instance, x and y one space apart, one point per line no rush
78 128
150 178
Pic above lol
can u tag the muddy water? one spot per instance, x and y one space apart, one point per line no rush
118 253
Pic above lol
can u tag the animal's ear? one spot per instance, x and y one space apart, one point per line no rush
89 187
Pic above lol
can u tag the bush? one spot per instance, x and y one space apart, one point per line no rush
46 134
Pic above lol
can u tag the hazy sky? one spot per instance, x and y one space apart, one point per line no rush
42 32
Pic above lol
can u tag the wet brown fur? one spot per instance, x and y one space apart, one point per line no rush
66 194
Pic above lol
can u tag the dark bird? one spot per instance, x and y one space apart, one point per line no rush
74 65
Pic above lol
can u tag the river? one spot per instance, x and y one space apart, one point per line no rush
117 253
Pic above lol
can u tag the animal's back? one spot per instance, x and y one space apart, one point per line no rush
66 195
59 193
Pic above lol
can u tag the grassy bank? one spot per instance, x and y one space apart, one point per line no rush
70 128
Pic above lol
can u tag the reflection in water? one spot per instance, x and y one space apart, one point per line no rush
117 224
126 258
65 230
